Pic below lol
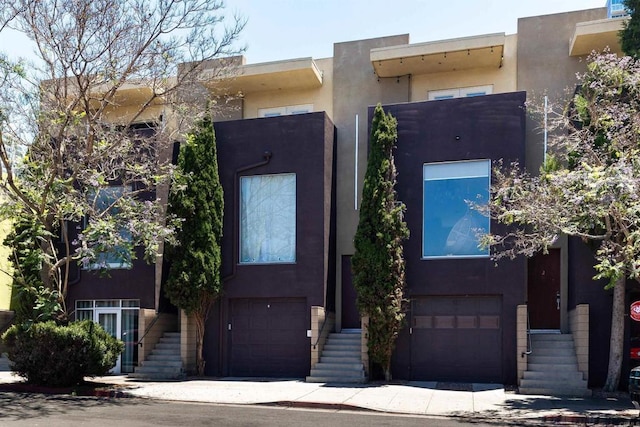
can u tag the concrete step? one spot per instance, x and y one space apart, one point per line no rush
339 366
344 337
553 360
161 357
167 346
570 392
331 346
173 364
172 340
171 351
531 383
341 380
539 345
534 367
340 353
553 351
340 359
551 337
550 376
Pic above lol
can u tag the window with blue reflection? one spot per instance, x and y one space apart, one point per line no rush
452 224
268 218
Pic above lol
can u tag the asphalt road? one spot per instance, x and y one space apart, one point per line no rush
20 409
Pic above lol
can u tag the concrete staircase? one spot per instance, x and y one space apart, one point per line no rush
164 361
340 361
552 368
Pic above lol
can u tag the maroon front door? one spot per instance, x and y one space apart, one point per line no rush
544 290
350 314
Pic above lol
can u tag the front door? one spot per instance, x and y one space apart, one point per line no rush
350 314
543 290
109 319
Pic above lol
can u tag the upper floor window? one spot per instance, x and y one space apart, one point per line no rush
268 218
461 92
112 255
452 223
285 111
616 8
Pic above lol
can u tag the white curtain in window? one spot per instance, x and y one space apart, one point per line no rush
268 218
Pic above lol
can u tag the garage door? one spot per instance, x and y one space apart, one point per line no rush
456 339
269 338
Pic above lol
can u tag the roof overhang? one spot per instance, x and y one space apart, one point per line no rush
596 36
465 53
294 74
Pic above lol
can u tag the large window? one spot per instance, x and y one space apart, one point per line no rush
462 92
113 256
452 224
268 218
286 110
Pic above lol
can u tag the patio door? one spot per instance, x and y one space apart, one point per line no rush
109 319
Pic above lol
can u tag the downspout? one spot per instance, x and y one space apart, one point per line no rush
234 244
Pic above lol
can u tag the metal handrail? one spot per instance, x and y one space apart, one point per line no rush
324 322
148 328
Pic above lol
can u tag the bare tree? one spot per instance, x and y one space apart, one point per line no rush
75 117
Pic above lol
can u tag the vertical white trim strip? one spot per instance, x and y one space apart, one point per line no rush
355 175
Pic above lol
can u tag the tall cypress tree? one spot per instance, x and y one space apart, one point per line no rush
630 34
194 281
378 262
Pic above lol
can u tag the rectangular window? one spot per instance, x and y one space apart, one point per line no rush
463 92
117 256
268 218
285 110
451 225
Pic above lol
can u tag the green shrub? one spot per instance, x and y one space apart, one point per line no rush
61 356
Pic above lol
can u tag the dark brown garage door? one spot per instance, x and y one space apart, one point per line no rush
456 339
269 338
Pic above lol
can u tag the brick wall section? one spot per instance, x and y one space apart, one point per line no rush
522 338
322 323
164 323
579 325
188 342
365 346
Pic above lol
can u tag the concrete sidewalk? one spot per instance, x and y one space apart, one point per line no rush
476 401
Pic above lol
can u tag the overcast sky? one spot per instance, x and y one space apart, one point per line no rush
286 29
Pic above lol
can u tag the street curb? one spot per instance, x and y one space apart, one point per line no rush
70 391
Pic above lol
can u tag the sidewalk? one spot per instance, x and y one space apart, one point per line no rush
477 401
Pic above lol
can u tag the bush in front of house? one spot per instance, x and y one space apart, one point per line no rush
61 356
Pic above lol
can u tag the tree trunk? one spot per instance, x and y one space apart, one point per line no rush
616 343
200 319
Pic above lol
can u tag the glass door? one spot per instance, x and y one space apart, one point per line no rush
109 319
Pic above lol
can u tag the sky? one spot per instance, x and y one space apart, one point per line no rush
288 29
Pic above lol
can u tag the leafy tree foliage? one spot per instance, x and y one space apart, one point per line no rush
378 262
103 67
590 189
194 280
630 34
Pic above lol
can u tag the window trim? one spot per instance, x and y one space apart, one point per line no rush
423 233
